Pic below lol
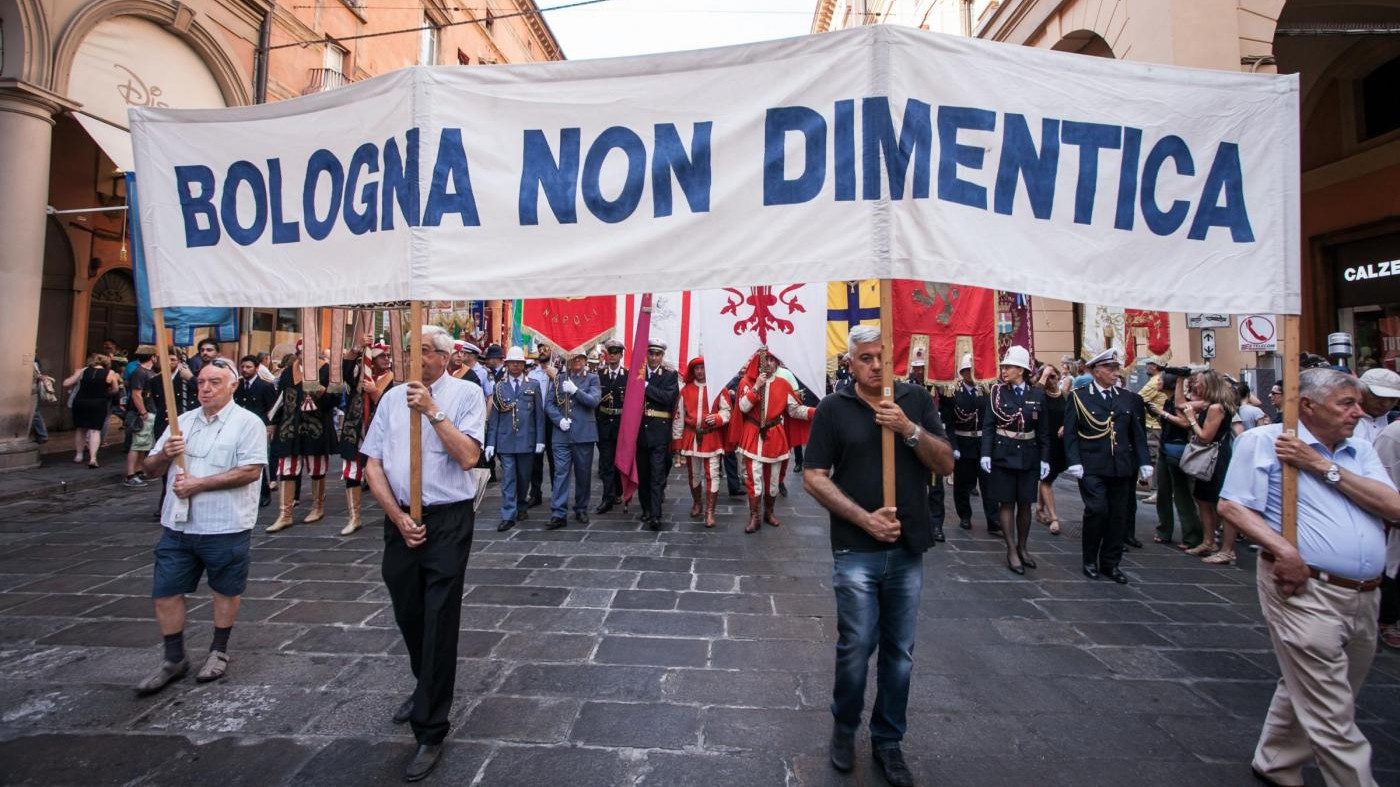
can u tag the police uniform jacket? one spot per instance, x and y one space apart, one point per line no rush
579 407
663 386
614 389
256 396
1113 455
963 414
1015 435
521 433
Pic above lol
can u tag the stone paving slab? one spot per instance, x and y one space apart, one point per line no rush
610 654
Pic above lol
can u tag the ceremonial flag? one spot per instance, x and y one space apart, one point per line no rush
633 402
671 319
180 321
943 321
1110 326
570 324
848 304
787 318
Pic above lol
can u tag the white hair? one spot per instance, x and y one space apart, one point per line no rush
438 337
862 334
1319 383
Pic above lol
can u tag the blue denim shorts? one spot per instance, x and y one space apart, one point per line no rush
182 557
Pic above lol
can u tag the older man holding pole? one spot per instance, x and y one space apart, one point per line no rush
1319 595
425 562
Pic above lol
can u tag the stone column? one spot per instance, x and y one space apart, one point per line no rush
26 131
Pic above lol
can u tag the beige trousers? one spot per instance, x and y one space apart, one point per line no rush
1325 639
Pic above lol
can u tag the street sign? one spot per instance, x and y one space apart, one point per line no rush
1207 343
1207 321
1258 333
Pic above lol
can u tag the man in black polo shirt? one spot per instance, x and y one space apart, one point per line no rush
877 551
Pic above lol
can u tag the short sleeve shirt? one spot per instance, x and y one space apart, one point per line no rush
845 440
230 439
444 480
139 380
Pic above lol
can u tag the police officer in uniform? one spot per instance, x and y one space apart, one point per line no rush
1015 452
654 439
1106 447
613 379
964 411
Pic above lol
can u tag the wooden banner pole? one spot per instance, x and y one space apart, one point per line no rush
887 386
163 353
415 421
1290 424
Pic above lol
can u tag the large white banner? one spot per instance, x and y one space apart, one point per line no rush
873 152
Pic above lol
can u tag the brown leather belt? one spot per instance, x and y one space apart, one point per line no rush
1016 435
1359 585
610 410
967 432
656 414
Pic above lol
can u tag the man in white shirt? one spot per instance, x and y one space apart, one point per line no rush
206 519
1380 393
425 562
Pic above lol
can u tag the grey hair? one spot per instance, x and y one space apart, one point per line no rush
438 337
1319 383
862 334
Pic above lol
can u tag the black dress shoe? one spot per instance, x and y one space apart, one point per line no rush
1091 571
604 507
423 762
938 536
556 522
993 530
1133 542
405 710
1026 561
965 524
1018 570
534 500
521 514
654 523
506 524
891 762
843 751
1115 575
581 517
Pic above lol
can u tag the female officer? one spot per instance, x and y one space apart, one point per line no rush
1015 451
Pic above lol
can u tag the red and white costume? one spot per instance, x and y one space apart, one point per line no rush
701 444
771 421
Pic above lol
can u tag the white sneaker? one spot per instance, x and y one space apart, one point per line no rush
135 481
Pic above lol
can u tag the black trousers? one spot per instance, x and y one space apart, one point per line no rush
936 496
425 588
537 471
1106 501
607 467
731 474
966 474
653 468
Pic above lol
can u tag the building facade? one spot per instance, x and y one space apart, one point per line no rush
70 70
1347 54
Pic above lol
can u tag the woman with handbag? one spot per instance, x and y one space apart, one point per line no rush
1208 454
1174 500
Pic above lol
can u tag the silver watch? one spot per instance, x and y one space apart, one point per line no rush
1333 475
437 417
913 440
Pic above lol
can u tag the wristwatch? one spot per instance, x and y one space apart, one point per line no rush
1333 475
437 417
913 440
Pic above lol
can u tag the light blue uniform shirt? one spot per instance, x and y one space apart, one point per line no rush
444 481
1334 534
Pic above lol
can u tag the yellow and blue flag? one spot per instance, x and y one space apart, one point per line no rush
848 304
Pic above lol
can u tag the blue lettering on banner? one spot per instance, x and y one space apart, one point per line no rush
1124 216
952 155
365 160
322 161
451 189
282 231
195 207
1019 159
692 171
1224 178
1090 138
1165 222
558 178
915 142
615 210
845 141
777 188
240 173
401 181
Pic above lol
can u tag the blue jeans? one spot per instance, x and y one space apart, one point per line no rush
515 478
573 465
877 603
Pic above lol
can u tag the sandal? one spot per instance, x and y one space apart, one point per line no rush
1042 516
1160 540
214 667
1220 559
1201 549
1055 527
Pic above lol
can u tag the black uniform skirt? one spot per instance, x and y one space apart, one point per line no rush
1006 485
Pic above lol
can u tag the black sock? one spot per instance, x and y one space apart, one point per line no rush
220 642
175 646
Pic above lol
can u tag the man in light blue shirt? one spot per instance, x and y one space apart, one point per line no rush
1319 599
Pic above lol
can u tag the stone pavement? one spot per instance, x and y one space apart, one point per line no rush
612 655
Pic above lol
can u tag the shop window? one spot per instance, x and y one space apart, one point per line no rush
1380 112
287 321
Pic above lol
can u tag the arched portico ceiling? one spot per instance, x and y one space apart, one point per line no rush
26 44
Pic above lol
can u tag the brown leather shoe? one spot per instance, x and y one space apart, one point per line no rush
696 506
710 508
752 526
768 503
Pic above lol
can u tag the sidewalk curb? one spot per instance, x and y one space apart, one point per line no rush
36 491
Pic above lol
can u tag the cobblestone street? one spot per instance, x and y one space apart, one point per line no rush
611 655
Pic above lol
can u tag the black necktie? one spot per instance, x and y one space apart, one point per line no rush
1016 389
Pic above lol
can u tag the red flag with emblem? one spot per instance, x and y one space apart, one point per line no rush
570 324
944 312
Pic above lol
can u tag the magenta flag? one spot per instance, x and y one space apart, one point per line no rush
633 402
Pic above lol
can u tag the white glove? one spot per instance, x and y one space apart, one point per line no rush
957 454
539 448
1145 472
565 423
1044 470
569 387
1075 471
986 464
490 452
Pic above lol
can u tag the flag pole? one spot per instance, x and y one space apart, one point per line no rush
172 416
1290 425
415 422
887 386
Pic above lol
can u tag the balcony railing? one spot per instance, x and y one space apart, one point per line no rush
323 79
